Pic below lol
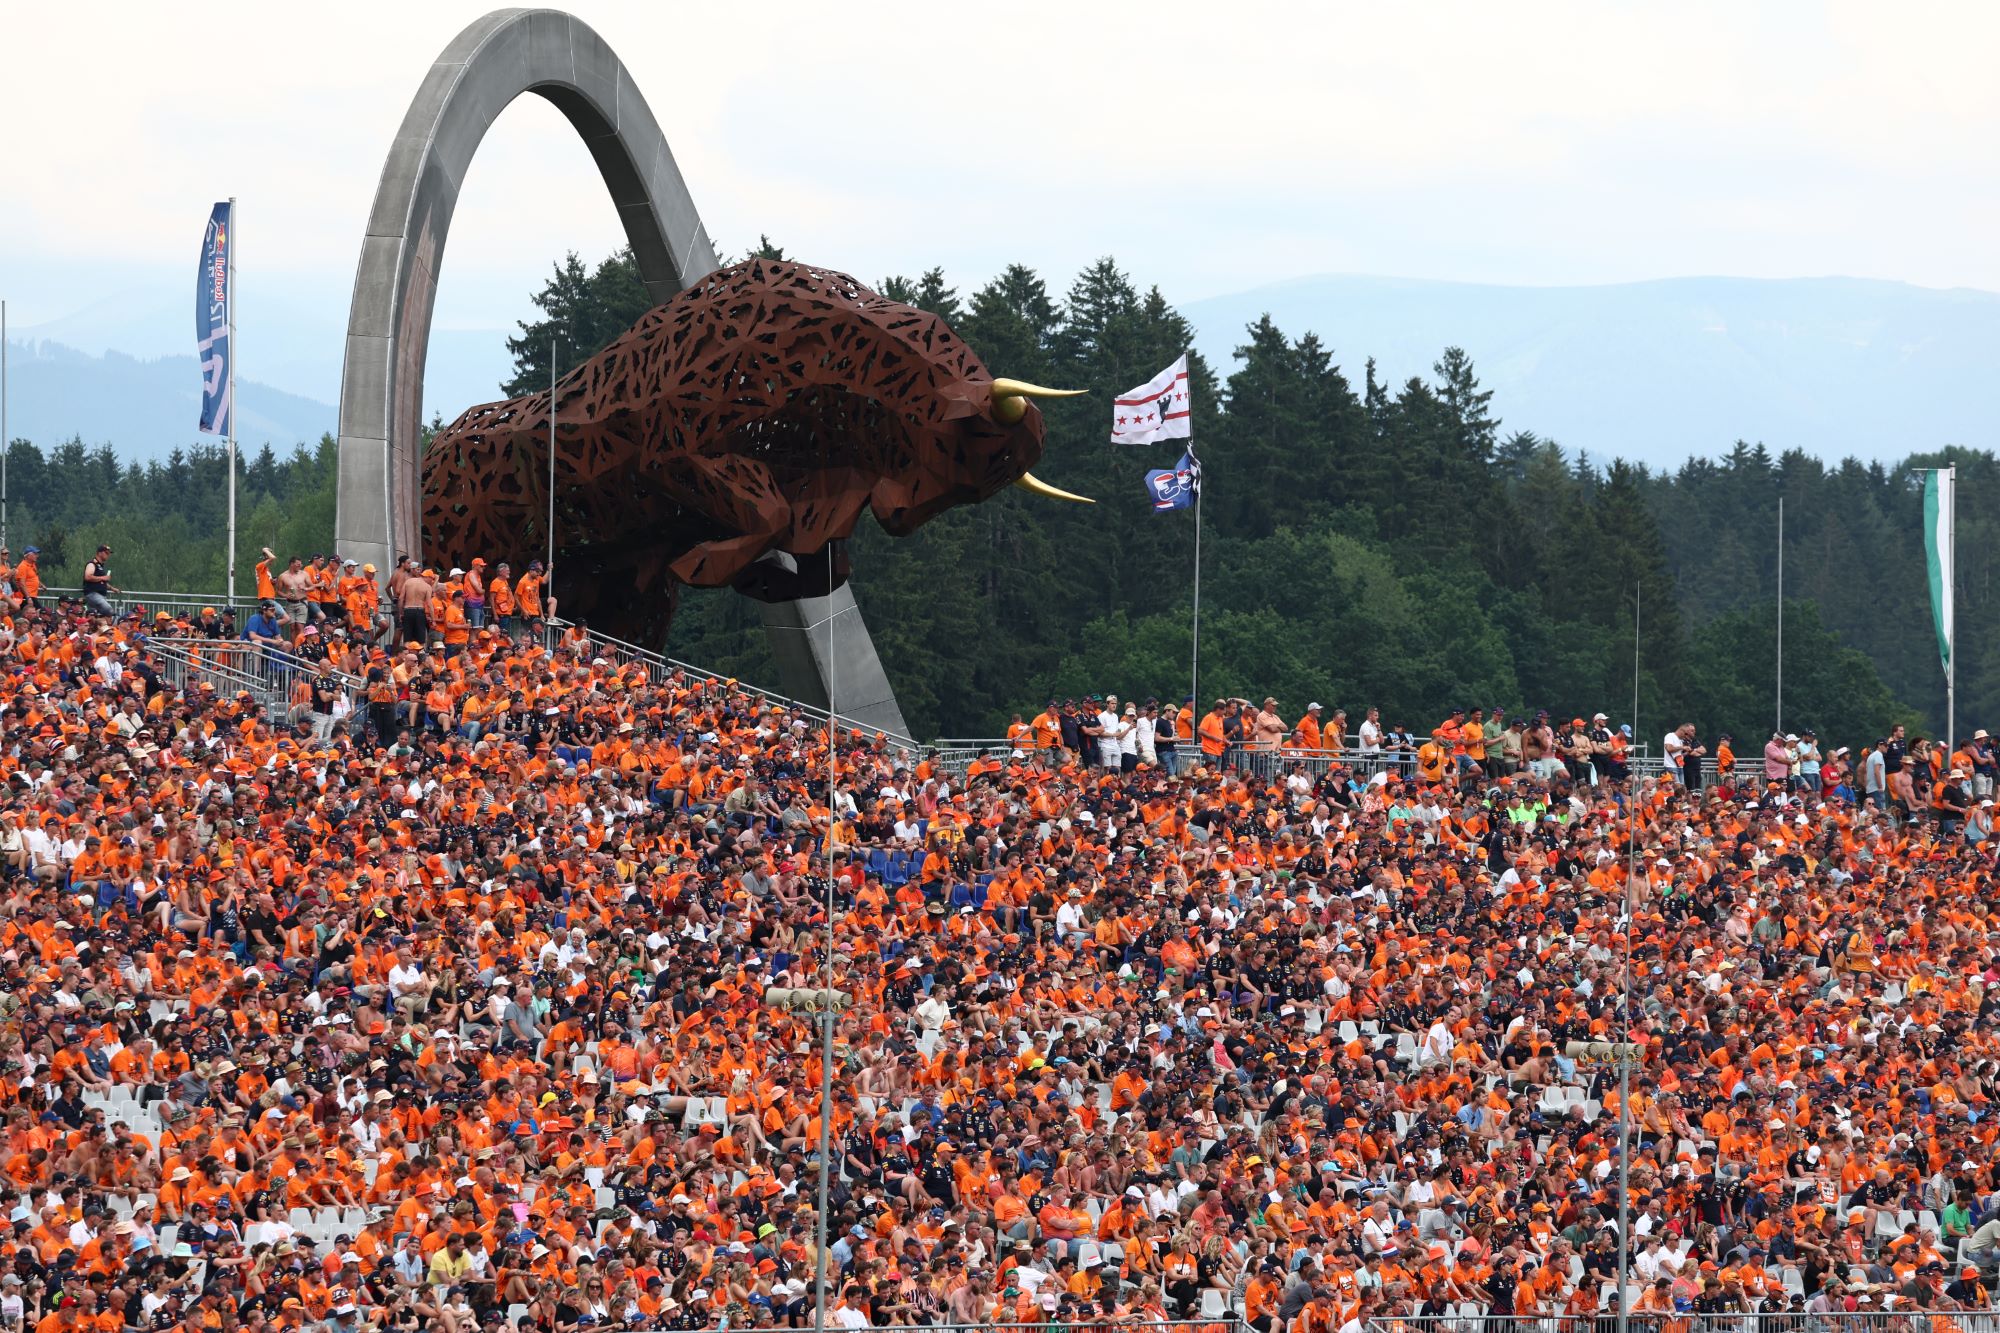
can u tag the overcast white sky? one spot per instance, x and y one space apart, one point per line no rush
1209 147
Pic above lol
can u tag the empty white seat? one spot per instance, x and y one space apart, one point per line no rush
1214 1303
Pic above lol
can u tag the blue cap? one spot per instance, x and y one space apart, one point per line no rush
32 550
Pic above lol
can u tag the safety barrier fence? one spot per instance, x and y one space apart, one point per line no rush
955 754
231 666
151 603
952 754
661 669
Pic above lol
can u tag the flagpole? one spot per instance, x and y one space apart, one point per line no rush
1781 616
549 569
1194 666
230 281
1951 642
1625 1003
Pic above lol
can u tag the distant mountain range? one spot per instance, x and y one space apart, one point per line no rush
1661 371
144 407
1654 371
123 370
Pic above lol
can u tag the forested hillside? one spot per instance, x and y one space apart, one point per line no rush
1363 542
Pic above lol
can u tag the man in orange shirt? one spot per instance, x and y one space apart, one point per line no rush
1307 730
500 598
528 593
28 577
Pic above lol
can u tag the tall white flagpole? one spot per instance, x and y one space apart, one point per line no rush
1194 668
550 568
231 313
1781 615
1951 641
1625 1003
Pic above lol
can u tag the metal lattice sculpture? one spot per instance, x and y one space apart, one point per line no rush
732 437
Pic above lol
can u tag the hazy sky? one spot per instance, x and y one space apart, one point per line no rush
1209 147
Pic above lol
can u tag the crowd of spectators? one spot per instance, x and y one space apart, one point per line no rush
483 1008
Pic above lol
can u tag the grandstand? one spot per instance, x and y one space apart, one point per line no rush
501 995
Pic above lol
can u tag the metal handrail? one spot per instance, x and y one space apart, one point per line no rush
660 668
128 599
951 754
215 662
265 673
955 753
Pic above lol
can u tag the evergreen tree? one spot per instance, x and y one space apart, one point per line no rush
582 312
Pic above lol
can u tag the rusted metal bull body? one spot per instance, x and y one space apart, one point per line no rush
732 437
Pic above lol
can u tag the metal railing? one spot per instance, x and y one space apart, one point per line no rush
174 603
219 664
269 672
235 665
951 755
661 669
955 754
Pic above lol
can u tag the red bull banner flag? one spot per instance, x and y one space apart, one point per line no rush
214 322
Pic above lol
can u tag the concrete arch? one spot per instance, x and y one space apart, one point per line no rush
493 61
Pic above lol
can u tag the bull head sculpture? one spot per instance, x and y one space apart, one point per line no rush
732 437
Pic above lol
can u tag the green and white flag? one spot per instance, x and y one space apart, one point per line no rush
1938 509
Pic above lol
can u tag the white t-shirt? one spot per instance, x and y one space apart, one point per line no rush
1671 747
1109 729
1143 737
1371 737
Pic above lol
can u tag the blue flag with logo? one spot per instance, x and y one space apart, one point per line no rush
214 322
1175 487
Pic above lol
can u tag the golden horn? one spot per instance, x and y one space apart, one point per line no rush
1028 481
1009 395
1023 389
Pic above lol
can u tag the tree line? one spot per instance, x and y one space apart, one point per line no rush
1364 542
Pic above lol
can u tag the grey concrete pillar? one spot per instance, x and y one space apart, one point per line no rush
496 59
822 640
